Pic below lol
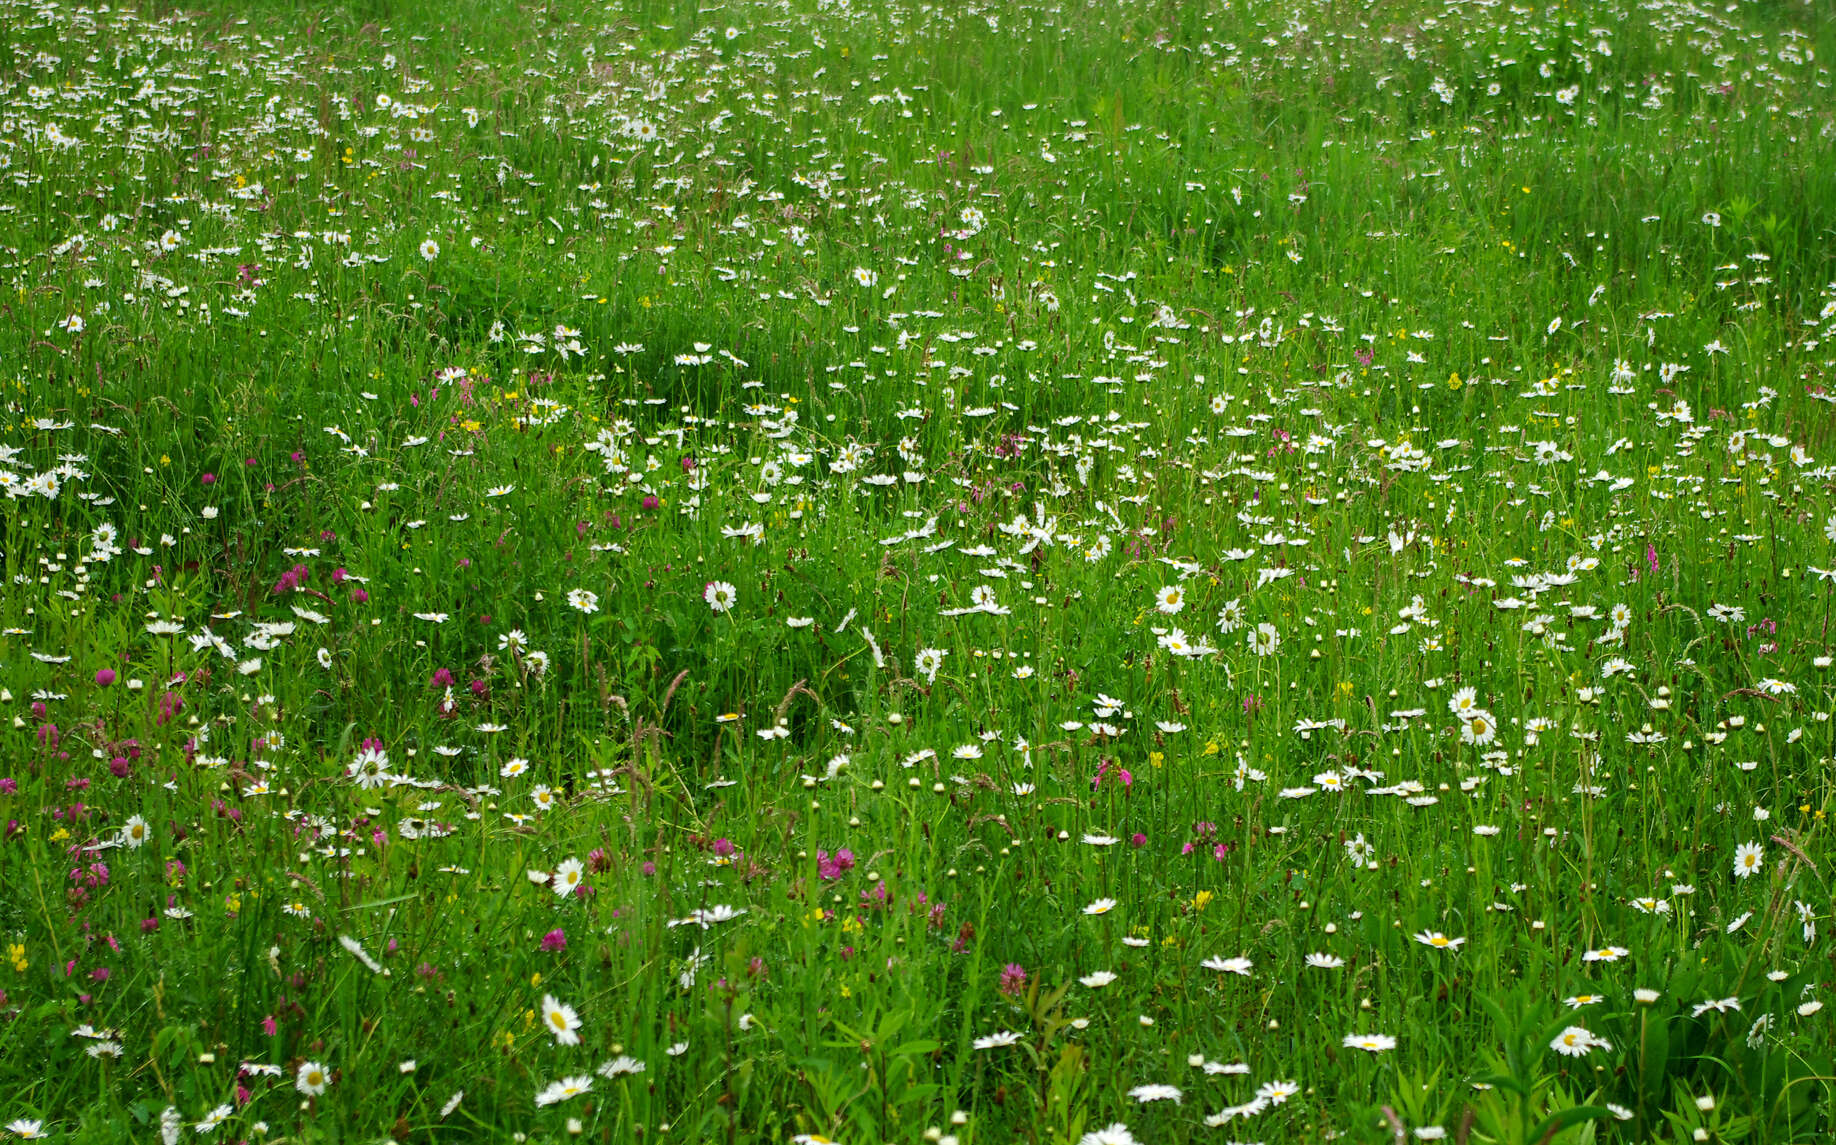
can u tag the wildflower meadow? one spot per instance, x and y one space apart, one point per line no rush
875 571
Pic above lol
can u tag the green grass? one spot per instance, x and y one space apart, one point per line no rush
1472 354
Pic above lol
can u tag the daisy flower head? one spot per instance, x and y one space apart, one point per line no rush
1264 640
1170 599
1147 1093
26 1129
583 600
928 663
430 249
370 769
1748 858
1114 1134
1100 906
1370 1043
720 595
865 277
1478 727
311 1079
564 1089
620 1065
1438 940
134 832
1240 966
1575 1042
560 1020
568 877
1276 1092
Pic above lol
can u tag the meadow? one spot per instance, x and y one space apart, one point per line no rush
870 572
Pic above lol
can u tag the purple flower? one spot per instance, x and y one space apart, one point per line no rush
555 940
830 869
291 580
1013 979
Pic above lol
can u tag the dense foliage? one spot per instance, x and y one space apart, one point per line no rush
870 571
